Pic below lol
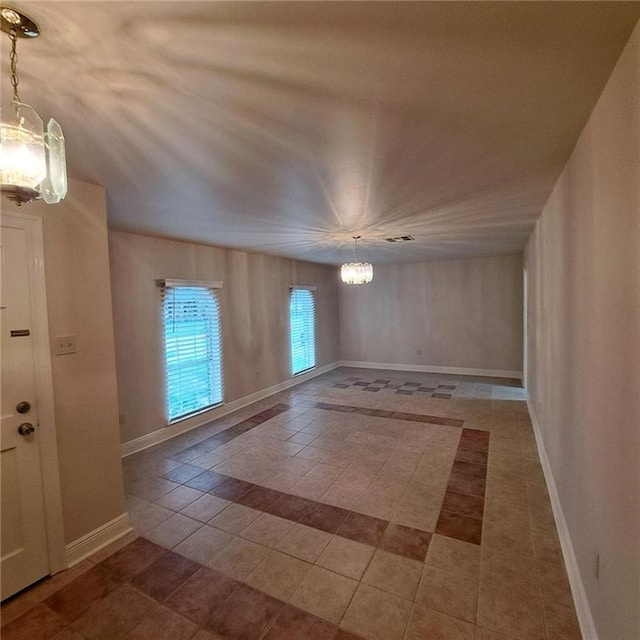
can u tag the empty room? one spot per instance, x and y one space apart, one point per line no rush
320 320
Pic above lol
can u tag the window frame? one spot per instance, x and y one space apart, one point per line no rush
213 287
313 290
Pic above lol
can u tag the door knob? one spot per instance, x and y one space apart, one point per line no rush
23 407
26 429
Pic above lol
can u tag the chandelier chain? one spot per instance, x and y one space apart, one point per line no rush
13 36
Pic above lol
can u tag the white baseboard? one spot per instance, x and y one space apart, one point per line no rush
95 540
166 433
425 368
583 610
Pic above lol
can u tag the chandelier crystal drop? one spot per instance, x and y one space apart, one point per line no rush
356 272
32 158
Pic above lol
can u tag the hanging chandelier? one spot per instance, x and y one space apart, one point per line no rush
356 272
32 159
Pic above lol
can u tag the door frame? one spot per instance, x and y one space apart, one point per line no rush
44 387
525 325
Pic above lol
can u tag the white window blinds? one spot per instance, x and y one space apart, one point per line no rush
192 347
302 320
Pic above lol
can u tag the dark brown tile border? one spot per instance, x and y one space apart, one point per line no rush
469 455
74 600
467 484
246 615
232 489
133 559
475 440
290 507
469 469
37 622
207 480
294 624
466 505
202 594
346 635
363 528
463 507
455 525
165 575
405 541
259 498
325 517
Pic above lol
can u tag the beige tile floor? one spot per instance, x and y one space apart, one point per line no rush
510 586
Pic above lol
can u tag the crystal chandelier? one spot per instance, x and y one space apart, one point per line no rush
32 160
356 272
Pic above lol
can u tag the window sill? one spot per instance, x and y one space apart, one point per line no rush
198 412
299 373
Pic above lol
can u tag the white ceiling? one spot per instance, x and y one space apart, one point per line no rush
287 127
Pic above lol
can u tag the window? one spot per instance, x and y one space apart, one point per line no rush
192 352
302 320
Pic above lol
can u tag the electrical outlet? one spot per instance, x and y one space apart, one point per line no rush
64 345
122 419
418 352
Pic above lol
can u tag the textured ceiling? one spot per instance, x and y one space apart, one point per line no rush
287 127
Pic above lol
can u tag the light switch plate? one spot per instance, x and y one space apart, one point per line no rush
64 345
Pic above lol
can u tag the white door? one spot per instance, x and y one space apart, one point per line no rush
25 557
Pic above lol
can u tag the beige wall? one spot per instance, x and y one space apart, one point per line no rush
254 301
583 263
457 313
86 403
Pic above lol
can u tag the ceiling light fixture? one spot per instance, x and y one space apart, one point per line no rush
32 160
356 272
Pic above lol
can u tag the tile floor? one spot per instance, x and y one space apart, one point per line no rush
327 513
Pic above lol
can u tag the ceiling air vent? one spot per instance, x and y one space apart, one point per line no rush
400 239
